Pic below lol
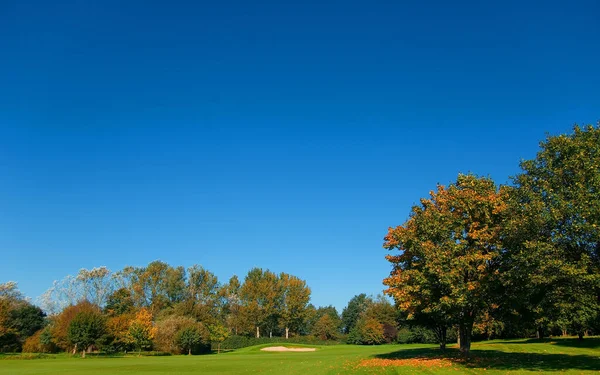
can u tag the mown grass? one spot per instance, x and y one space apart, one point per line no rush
492 357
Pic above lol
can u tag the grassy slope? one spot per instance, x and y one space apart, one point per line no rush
494 357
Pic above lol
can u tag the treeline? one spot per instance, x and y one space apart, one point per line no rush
508 261
177 310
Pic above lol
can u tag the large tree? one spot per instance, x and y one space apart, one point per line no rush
450 251
27 319
201 297
59 324
295 298
261 299
554 231
232 309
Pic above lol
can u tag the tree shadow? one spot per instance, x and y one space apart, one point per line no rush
586 343
494 359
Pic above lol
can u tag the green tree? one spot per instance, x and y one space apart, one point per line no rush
260 295
27 319
218 334
296 295
10 299
367 331
450 251
232 309
554 231
356 306
59 324
189 337
314 314
157 285
386 314
119 302
326 327
167 329
86 328
201 295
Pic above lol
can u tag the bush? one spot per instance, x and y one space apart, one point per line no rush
32 344
416 335
168 329
9 343
367 331
390 333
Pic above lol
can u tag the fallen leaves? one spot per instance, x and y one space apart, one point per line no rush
420 362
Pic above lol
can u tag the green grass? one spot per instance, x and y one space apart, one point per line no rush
492 357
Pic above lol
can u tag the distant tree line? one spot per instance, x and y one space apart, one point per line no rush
177 310
508 261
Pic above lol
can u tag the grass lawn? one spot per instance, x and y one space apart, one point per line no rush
491 357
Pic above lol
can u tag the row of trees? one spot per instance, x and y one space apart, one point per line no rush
179 310
509 259
264 302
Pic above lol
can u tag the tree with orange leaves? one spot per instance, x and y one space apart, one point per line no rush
450 251
142 330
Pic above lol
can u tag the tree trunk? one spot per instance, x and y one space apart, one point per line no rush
257 332
464 335
442 338
189 351
74 349
219 348
287 331
270 334
83 353
564 333
580 335
540 333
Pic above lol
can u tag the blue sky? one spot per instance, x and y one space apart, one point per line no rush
275 134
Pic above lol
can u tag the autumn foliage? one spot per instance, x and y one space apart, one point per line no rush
449 252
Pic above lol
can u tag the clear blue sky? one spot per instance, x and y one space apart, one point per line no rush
275 134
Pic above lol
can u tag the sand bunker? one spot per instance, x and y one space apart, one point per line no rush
284 349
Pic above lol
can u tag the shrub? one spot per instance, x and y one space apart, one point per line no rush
367 331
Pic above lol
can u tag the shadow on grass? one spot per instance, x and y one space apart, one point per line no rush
493 359
586 343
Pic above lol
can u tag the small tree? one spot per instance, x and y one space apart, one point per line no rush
166 332
189 337
141 330
218 334
326 328
351 313
371 331
85 330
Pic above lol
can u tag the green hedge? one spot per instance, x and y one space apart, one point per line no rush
237 342
422 335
